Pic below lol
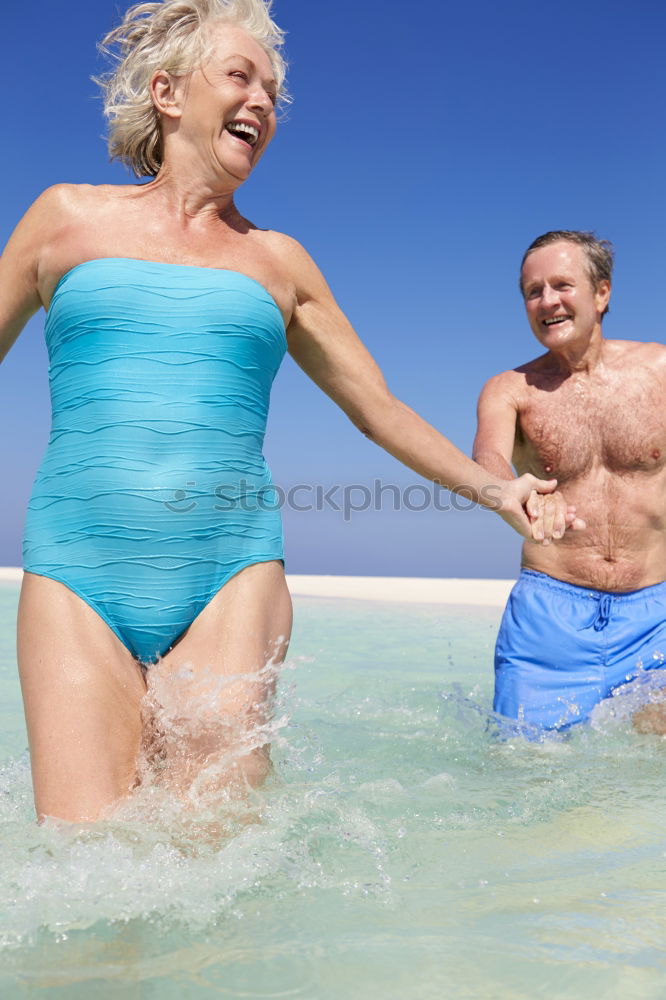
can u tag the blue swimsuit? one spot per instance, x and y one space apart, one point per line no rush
154 491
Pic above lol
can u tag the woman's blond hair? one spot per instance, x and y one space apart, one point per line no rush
170 35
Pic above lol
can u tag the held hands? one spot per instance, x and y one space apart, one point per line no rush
550 516
536 511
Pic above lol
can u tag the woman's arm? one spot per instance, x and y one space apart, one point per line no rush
323 343
19 266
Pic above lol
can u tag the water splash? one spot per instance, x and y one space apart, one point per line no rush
640 702
189 855
206 739
393 843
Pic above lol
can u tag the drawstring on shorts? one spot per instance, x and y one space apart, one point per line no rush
602 615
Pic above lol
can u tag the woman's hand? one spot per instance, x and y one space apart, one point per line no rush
536 511
550 516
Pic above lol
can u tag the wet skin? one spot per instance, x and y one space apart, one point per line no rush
590 412
84 753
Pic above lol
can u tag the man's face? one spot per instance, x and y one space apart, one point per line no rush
563 307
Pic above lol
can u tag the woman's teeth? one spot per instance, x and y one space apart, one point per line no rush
247 132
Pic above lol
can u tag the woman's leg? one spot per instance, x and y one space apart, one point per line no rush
211 694
82 692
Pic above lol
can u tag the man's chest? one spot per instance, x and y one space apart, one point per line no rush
619 424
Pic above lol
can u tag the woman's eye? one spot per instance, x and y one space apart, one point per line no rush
239 73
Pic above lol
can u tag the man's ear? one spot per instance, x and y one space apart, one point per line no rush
602 295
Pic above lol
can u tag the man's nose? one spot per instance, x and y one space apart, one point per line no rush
549 296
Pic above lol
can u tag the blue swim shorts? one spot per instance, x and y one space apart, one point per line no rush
562 649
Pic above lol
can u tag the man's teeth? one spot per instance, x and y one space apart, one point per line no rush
244 131
556 319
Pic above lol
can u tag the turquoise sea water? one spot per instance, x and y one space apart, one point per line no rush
398 851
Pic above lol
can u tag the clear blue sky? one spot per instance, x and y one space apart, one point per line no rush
427 145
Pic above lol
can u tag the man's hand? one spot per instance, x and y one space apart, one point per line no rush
551 513
550 516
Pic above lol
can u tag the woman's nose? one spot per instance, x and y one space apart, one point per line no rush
261 101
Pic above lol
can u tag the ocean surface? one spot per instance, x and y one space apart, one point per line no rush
399 849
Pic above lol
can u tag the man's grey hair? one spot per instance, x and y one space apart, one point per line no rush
598 253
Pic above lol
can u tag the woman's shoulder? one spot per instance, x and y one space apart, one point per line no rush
288 268
282 244
63 202
62 228
292 256
51 203
45 218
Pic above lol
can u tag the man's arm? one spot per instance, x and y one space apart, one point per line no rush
497 414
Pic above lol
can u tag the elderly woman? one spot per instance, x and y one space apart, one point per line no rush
152 534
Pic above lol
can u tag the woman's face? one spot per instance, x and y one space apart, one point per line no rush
227 108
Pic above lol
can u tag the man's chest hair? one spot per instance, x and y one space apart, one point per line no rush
618 421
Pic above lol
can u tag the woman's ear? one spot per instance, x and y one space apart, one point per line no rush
165 94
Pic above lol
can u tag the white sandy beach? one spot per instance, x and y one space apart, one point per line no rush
10 573
419 590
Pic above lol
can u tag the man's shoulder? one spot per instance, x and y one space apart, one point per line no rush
636 352
500 382
506 389
516 377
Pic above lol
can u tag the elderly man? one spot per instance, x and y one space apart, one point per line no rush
588 613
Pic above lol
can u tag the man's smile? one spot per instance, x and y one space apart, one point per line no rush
555 320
